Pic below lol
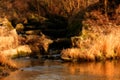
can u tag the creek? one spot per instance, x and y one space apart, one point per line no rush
34 69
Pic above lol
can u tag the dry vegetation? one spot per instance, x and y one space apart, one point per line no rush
99 38
65 8
22 10
95 44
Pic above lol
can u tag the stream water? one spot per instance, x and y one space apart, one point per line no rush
58 70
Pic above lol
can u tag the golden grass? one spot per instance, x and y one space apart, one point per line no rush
20 51
95 43
75 54
65 8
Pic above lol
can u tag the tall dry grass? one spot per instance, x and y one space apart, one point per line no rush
99 39
95 46
65 8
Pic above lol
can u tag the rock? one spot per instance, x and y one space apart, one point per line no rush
6 24
38 43
10 53
19 27
70 54
45 42
33 32
20 51
8 42
8 35
24 50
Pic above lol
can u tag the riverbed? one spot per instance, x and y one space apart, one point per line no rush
35 69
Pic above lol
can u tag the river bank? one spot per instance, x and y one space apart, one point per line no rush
36 69
70 30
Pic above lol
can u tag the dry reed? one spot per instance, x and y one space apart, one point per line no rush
65 8
95 43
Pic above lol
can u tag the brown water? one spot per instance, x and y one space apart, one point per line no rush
57 70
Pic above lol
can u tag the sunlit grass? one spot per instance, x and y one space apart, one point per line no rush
95 43
98 40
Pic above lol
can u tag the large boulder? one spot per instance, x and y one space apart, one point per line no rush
38 43
8 35
8 40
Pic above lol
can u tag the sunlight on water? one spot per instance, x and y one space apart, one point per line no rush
56 70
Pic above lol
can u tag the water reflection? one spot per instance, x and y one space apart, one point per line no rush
107 68
56 70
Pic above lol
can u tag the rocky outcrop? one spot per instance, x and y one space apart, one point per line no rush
8 40
8 35
38 43
12 45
